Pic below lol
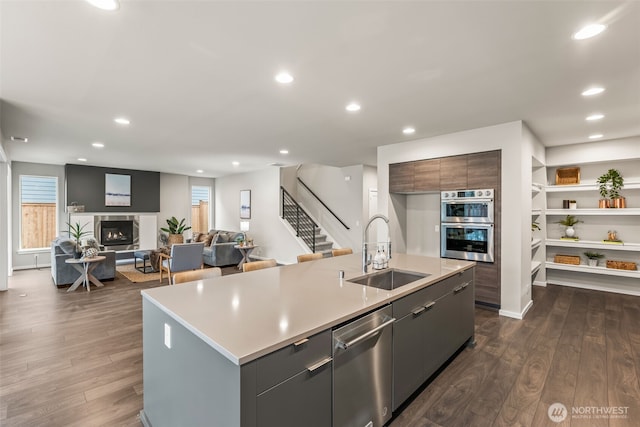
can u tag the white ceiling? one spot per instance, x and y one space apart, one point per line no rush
196 77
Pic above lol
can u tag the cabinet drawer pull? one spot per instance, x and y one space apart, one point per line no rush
418 311
461 287
319 364
430 305
302 341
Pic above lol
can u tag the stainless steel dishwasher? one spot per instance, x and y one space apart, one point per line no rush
362 371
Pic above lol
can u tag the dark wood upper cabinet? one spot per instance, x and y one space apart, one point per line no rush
453 173
401 176
483 170
426 175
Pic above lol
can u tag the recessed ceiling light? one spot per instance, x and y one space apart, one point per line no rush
353 107
98 145
596 136
593 117
408 131
235 163
82 159
105 4
284 151
284 78
592 91
199 171
19 139
589 31
121 121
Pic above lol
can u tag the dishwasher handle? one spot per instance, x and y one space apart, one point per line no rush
346 345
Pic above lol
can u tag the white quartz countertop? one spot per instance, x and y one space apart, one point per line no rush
245 316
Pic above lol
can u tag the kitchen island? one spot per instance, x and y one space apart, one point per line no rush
254 349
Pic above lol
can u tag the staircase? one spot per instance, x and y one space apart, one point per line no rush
322 244
304 226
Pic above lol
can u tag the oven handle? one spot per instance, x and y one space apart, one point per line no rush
466 225
451 202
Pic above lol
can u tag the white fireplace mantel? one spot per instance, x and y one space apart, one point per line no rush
148 225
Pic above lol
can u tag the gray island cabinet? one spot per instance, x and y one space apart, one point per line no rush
255 349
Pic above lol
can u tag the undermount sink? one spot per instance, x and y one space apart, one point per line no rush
388 279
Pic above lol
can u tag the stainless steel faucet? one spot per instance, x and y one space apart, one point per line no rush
366 260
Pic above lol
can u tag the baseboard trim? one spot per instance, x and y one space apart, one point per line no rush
31 267
515 314
540 283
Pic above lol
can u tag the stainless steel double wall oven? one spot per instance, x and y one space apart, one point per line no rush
466 225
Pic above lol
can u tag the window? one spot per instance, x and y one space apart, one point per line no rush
38 211
199 209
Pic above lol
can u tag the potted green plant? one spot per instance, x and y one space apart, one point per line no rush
593 258
175 229
569 222
77 231
609 185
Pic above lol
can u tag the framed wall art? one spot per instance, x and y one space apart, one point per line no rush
117 190
245 204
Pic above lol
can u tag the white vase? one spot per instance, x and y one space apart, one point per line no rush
593 262
569 232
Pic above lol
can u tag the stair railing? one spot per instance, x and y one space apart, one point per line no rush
322 203
298 218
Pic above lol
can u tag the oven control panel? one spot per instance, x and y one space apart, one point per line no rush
467 194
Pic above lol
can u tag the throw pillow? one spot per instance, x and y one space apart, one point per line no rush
93 243
207 238
222 238
68 246
195 237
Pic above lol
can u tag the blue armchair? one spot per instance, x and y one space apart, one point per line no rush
183 257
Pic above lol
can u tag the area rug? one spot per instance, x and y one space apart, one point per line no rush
135 276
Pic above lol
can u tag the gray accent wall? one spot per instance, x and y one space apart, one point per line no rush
86 186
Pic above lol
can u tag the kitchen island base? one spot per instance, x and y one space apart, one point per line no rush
191 379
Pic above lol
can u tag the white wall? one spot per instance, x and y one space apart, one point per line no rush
5 202
266 227
507 137
344 191
423 216
175 200
601 151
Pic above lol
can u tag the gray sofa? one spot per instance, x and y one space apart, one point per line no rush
65 274
221 251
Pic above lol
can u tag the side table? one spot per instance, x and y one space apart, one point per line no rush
245 251
85 266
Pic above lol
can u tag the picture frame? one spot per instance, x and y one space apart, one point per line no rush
117 190
245 204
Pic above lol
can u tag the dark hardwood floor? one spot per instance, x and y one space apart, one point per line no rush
75 358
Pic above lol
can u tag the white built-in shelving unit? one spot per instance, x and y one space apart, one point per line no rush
594 228
538 205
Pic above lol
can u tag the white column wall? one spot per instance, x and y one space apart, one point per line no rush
175 200
506 137
5 239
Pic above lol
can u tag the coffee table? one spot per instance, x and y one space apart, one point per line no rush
85 266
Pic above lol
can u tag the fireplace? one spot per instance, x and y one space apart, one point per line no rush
117 232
